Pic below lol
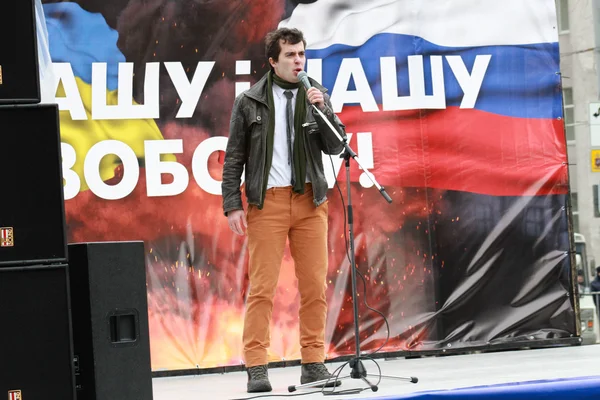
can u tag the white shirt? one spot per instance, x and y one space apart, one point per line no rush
280 174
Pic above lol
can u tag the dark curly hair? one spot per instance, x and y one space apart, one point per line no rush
287 35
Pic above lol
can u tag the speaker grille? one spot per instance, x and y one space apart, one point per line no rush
110 315
31 203
35 340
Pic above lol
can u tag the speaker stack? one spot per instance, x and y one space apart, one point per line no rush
73 318
36 350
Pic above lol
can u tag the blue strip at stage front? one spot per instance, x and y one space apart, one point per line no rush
584 388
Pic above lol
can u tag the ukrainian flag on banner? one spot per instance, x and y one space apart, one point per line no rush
81 38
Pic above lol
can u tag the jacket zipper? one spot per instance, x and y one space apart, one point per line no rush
262 175
308 151
261 199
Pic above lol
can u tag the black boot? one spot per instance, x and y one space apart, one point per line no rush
317 372
258 379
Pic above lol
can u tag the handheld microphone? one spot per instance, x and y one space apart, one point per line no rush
303 77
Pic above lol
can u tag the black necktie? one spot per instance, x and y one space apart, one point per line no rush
290 128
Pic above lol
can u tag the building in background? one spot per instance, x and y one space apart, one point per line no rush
579 33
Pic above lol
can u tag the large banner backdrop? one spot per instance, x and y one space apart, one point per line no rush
456 109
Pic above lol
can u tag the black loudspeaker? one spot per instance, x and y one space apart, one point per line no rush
36 351
32 216
19 75
110 321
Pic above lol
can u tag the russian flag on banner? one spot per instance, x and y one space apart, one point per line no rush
469 103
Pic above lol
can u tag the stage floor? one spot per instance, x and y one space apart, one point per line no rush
434 373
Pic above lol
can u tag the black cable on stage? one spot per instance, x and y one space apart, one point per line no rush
350 261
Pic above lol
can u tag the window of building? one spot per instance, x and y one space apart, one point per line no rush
569 113
575 211
562 13
485 216
534 221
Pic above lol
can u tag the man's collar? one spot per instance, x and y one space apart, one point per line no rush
278 90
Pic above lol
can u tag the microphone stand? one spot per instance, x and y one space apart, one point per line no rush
358 371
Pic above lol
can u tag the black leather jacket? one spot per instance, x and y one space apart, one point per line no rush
247 147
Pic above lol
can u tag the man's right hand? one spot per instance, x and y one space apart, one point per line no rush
237 221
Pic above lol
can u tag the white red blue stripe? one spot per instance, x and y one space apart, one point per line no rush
451 23
512 141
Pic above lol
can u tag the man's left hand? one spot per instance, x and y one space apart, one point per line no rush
315 96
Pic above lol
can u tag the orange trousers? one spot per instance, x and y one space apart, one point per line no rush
286 214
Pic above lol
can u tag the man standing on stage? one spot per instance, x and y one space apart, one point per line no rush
276 136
